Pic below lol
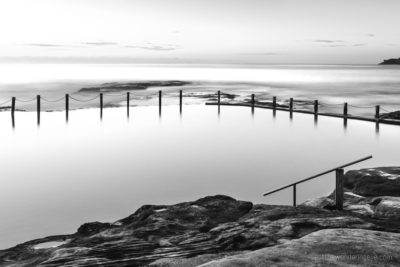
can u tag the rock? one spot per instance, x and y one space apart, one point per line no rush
183 234
221 231
118 87
93 228
376 207
331 247
395 115
391 61
320 202
384 181
389 208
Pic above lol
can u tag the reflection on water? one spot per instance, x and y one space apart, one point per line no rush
59 175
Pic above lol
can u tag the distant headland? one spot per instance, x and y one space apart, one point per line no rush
391 61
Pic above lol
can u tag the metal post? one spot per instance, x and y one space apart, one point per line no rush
38 108
127 102
274 102
294 195
180 101
316 107
377 115
339 194
345 110
252 103
219 102
66 106
13 111
12 105
159 102
101 105
291 105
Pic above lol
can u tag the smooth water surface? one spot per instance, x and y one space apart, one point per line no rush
58 175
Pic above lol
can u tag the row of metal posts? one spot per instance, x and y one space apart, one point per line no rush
38 105
316 104
253 102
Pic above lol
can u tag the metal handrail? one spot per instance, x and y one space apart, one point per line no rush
315 176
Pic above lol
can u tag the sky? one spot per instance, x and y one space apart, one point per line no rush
200 31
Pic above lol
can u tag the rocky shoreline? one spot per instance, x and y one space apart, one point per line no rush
390 61
121 87
221 231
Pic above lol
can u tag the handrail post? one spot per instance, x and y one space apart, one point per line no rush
252 102
294 195
101 105
339 194
180 101
316 107
320 174
345 110
66 106
377 115
128 96
38 108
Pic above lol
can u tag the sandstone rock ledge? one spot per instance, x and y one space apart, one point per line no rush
221 231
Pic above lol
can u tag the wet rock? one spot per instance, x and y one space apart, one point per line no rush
332 247
390 61
93 228
217 226
221 231
384 181
395 115
389 208
118 87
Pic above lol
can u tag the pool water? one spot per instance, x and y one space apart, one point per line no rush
59 175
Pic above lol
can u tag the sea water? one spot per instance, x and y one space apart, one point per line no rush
362 86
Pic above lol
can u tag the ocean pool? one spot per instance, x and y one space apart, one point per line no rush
59 175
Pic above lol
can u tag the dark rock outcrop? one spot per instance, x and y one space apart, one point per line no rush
117 87
221 231
395 115
391 61
373 192
217 225
383 181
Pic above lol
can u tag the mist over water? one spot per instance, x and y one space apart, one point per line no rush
359 85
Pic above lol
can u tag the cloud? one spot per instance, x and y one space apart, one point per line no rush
263 54
327 41
343 45
371 35
100 43
50 45
153 47
334 45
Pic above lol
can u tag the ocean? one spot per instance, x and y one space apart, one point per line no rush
362 86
